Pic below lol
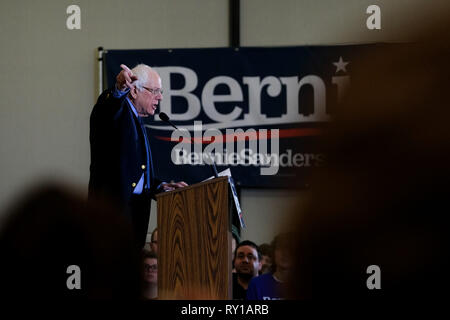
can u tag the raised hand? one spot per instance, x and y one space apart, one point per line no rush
125 78
173 185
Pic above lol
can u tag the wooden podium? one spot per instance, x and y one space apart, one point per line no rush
194 242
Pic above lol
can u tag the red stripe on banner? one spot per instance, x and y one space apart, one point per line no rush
283 133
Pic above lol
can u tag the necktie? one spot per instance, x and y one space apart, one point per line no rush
148 155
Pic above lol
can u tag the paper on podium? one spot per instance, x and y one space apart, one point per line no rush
227 173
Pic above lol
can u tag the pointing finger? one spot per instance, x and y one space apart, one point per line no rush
125 68
128 84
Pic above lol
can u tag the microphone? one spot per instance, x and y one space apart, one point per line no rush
164 117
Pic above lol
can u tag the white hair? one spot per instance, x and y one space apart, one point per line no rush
141 71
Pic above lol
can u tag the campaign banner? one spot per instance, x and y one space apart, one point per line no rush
256 111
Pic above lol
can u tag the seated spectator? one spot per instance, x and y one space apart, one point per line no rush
247 264
266 258
271 286
150 264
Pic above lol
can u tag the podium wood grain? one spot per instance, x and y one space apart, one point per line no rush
194 242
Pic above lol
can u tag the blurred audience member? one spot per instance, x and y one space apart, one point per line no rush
247 263
272 285
266 258
54 245
382 200
150 264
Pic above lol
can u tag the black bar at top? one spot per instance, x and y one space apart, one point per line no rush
235 28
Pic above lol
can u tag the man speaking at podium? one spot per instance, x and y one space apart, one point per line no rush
121 159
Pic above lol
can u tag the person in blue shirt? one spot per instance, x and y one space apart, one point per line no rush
271 286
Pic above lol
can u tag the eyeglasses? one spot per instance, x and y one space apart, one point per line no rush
243 256
152 267
154 91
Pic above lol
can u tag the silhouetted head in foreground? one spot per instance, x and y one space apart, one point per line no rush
383 197
50 229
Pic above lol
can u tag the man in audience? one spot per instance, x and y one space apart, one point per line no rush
247 263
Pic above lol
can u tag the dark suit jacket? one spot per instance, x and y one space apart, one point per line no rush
118 153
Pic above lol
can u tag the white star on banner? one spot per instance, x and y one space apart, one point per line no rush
340 65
